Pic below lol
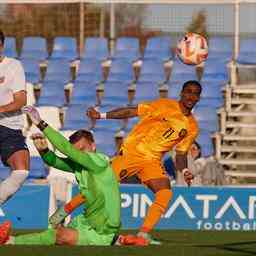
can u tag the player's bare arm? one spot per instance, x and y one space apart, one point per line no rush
119 113
181 161
181 164
19 101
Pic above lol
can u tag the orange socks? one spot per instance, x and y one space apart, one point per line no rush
74 203
159 206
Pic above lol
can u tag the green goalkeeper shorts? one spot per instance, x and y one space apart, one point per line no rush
87 235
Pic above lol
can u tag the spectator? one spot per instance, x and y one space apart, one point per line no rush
206 170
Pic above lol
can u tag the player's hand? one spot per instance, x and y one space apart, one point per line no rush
188 176
32 113
93 113
39 141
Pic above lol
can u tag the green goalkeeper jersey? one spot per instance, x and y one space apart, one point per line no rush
96 181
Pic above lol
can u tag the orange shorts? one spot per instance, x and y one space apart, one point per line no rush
126 166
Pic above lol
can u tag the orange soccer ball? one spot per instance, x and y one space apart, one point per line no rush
192 49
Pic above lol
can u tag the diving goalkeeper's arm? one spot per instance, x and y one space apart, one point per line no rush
75 157
61 213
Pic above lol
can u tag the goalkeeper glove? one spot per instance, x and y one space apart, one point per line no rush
58 216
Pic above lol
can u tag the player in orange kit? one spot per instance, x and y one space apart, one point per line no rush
164 124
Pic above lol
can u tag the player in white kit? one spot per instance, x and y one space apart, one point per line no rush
13 149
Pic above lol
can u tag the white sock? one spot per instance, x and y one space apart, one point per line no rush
9 186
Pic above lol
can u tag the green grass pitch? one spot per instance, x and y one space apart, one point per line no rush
175 243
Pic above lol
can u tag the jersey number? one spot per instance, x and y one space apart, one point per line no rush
168 133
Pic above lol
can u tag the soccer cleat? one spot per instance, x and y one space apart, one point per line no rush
5 230
58 217
148 238
134 240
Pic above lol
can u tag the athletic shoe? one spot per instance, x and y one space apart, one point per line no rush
58 217
149 238
5 230
131 240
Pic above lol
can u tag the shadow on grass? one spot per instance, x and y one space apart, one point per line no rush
232 247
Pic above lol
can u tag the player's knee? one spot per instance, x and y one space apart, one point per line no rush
66 236
162 198
19 160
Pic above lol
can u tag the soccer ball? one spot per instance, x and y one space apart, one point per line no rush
192 49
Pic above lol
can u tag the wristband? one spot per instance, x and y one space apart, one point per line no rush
103 115
42 125
185 170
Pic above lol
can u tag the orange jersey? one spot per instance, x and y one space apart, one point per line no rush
162 127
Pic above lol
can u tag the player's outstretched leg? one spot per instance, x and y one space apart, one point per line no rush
5 230
47 237
159 206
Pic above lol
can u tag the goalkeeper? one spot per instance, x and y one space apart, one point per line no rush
100 223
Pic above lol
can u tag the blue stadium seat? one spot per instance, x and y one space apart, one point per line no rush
220 48
58 70
207 118
174 90
131 122
75 118
215 71
4 171
146 92
211 102
58 101
247 53
121 70
32 70
105 141
152 71
212 90
96 48
38 170
205 141
64 48
52 94
211 95
158 48
182 72
83 94
112 125
10 47
115 93
89 72
34 48
127 48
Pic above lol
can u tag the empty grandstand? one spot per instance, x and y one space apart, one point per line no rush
91 68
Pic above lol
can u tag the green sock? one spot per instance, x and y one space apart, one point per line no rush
47 237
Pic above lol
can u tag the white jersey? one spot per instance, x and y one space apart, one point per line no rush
12 80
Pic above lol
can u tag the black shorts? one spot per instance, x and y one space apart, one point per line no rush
11 141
